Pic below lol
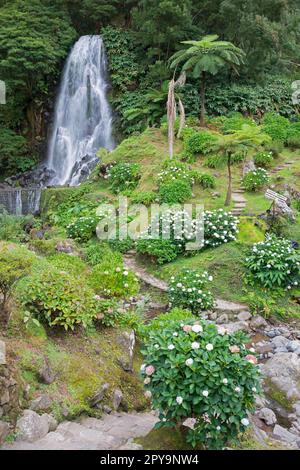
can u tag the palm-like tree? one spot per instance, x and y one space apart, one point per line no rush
207 56
240 141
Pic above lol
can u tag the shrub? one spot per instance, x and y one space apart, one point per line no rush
198 143
175 192
57 298
235 122
274 263
264 159
188 289
215 161
219 227
174 171
11 227
275 147
15 263
160 251
200 372
83 229
255 179
111 279
276 126
124 176
163 320
144 197
205 180
43 247
69 263
95 253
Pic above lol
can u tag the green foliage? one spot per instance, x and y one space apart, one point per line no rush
82 229
174 192
205 180
254 180
264 159
274 263
276 126
95 253
15 263
14 156
35 38
189 290
144 197
70 264
198 143
164 319
12 227
214 161
174 171
124 176
219 227
57 298
160 251
111 279
235 122
197 370
123 246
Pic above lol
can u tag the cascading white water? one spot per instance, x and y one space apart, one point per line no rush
83 118
20 201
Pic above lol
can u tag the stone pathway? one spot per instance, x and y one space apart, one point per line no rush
239 201
113 432
279 168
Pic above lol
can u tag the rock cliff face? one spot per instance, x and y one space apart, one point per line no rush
9 393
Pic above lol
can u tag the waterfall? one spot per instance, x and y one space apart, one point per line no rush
83 118
20 201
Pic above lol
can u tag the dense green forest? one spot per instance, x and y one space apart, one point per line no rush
140 37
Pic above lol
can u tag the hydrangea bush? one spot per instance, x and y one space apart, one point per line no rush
83 228
175 171
189 289
174 192
198 143
124 176
197 374
274 263
219 227
255 179
111 279
264 159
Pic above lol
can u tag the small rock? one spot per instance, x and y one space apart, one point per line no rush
293 346
4 430
222 319
117 399
2 353
32 426
107 409
284 435
280 342
258 322
52 422
237 326
46 374
4 398
41 403
268 416
99 395
244 316
213 316
127 343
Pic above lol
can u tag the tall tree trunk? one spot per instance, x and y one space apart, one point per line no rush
229 190
202 94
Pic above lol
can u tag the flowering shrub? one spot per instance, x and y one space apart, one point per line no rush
255 179
83 228
198 374
219 227
174 192
57 298
274 263
175 171
170 239
264 159
124 176
188 289
111 279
